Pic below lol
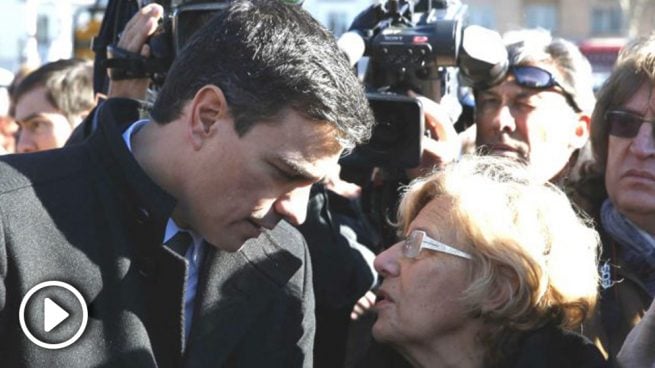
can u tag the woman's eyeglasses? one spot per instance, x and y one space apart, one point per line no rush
418 240
624 124
533 77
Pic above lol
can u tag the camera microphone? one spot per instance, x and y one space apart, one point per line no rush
352 44
483 57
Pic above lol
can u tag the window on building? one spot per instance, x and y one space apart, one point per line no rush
541 15
606 21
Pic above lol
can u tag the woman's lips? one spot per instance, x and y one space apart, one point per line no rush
382 299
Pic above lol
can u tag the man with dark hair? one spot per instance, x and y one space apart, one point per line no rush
50 102
251 114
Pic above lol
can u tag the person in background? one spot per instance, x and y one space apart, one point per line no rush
8 127
637 350
623 143
50 102
539 113
492 277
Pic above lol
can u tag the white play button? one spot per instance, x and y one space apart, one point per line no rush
53 314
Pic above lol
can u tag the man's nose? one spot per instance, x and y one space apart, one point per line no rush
293 205
643 144
25 142
506 119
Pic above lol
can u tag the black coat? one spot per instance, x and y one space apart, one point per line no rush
89 216
547 347
551 347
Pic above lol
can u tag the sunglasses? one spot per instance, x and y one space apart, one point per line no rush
533 77
418 240
624 124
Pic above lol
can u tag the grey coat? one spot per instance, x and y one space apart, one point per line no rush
89 216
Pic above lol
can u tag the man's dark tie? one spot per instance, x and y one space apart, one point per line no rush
180 243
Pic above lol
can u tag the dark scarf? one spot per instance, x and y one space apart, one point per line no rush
637 246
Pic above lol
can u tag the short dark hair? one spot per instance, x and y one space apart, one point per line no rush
267 56
68 84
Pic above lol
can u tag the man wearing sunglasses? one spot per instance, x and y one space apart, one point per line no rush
623 141
540 112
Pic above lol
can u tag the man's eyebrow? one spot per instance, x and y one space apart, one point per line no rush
30 117
296 171
528 93
487 92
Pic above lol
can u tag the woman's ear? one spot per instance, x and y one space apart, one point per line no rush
502 290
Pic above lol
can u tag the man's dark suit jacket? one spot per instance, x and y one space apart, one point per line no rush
89 216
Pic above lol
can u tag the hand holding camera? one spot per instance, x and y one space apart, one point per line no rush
441 143
134 39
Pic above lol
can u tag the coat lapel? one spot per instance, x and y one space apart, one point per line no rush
234 289
165 277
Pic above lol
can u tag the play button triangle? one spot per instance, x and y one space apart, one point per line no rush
53 314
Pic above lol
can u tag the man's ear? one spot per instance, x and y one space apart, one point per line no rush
581 132
208 107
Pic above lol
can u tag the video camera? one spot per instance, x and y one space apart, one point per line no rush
182 18
422 46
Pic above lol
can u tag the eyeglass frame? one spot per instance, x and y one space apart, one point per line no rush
626 113
426 242
552 82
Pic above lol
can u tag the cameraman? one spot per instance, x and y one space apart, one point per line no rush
540 112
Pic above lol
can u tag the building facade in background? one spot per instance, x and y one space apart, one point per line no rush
576 20
37 31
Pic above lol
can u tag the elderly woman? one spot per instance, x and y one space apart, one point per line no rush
494 271
622 138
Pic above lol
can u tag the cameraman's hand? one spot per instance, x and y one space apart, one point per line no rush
443 145
343 188
133 38
363 305
637 350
